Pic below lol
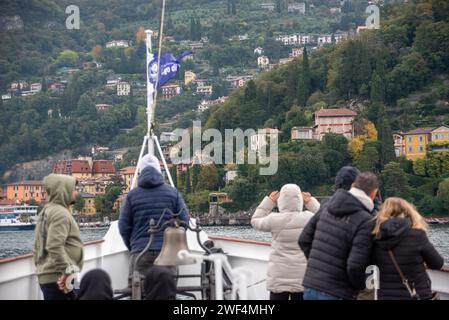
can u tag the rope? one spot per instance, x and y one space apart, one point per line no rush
161 36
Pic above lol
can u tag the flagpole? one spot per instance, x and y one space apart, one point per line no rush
150 92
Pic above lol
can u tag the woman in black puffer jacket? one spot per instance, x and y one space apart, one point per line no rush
401 229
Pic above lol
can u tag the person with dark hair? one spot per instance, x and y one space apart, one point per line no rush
159 284
344 179
338 244
95 285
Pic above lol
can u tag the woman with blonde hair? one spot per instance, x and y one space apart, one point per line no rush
402 252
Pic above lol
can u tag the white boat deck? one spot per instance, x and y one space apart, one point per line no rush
18 280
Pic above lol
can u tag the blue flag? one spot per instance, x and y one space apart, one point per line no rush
169 66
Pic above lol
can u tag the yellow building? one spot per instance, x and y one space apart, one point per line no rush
416 142
440 134
89 204
127 174
189 76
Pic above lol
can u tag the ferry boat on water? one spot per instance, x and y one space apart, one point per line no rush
17 218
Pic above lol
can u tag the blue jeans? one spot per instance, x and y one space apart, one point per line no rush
312 294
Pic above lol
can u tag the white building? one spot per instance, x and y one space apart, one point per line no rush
302 133
123 88
36 86
262 138
296 52
267 6
258 51
230 175
117 43
203 106
204 89
324 39
6 96
297 7
294 39
335 10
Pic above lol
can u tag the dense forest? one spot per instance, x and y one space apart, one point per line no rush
377 72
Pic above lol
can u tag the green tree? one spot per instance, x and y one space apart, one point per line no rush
369 157
243 193
443 193
304 83
250 91
79 203
208 178
195 175
394 181
419 167
233 7
188 182
385 138
86 108
44 84
67 58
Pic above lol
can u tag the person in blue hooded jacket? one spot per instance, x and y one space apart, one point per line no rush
145 202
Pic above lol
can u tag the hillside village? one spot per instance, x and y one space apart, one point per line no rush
107 86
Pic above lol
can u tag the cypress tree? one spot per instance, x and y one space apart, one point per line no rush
192 28
233 8
383 127
304 86
188 185
385 137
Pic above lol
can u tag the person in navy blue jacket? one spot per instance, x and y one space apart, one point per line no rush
148 201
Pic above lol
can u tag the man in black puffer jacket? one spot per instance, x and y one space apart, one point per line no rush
148 201
338 244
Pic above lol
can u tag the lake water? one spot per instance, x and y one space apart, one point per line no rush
13 243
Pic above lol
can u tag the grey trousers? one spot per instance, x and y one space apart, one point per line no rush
144 264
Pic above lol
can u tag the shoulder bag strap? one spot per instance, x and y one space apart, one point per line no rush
411 289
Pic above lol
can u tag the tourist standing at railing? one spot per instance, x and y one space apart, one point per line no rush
287 262
148 201
400 247
58 250
338 244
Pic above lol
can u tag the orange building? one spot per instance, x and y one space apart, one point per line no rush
127 174
25 191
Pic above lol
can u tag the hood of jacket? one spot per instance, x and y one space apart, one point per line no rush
343 203
290 199
59 189
392 231
150 178
95 285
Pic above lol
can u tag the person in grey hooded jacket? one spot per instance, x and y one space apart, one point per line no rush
287 263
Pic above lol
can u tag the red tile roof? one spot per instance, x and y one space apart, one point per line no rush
335 112
103 166
419 131
127 170
80 166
